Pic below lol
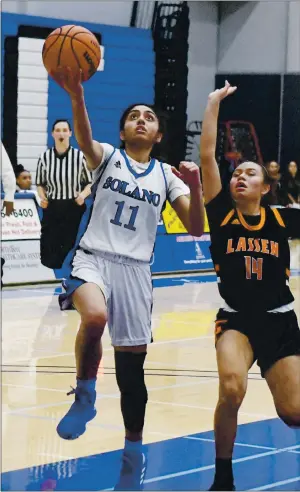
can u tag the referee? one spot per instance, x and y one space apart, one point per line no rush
63 182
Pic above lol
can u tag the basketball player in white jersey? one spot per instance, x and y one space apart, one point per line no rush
111 279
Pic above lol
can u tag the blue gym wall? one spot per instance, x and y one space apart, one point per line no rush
128 75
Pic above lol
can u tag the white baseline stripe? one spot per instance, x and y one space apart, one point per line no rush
210 467
275 484
236 443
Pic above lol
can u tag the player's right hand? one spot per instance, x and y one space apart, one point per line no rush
220 94
69 79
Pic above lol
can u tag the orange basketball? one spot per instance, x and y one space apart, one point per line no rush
74 47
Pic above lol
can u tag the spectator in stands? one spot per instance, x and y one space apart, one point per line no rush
23 178
63 182
275 195
291 184
24 182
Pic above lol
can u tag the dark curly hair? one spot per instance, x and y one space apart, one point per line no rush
19 169
162 122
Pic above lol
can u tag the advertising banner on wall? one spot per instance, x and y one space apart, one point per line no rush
23 264
23 223
175 253
20 245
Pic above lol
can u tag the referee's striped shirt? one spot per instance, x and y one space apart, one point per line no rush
63 175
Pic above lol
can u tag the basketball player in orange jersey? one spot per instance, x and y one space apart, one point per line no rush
111 278
250 251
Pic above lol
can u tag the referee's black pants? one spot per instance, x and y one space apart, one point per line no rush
2 264
60 224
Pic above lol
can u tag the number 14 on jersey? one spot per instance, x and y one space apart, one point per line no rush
253 267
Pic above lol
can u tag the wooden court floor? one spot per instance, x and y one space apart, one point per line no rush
38 369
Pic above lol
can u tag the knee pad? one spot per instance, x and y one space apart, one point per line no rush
131 382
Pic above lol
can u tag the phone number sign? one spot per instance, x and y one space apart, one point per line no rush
23 223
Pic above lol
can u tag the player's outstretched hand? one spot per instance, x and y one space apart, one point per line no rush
68 79
189 173
220 94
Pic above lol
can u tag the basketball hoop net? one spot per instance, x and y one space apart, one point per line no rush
233 157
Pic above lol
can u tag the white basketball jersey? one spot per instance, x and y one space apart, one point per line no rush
128 200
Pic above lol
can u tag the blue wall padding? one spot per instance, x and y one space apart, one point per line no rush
128 76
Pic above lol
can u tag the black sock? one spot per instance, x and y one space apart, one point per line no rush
224 473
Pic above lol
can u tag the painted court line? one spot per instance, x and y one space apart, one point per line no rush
275 484
56 419
163 342
169 436
210 467
180 340
36 388
105 395
18 411
110 349
210 409
236 443
166 365
51 356
182 385
99 397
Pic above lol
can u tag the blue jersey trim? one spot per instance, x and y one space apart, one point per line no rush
70 285
130 168
89 202
164 175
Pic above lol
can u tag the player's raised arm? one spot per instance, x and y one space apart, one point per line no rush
71 82
210 170
190 209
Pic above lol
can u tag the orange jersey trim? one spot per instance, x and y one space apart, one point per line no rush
253 227
278 217
227 218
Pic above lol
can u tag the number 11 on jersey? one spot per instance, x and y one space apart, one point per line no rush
116 219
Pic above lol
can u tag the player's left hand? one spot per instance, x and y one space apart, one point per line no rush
79 200
189 172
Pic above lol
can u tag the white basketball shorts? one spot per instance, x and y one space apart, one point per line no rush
127 287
